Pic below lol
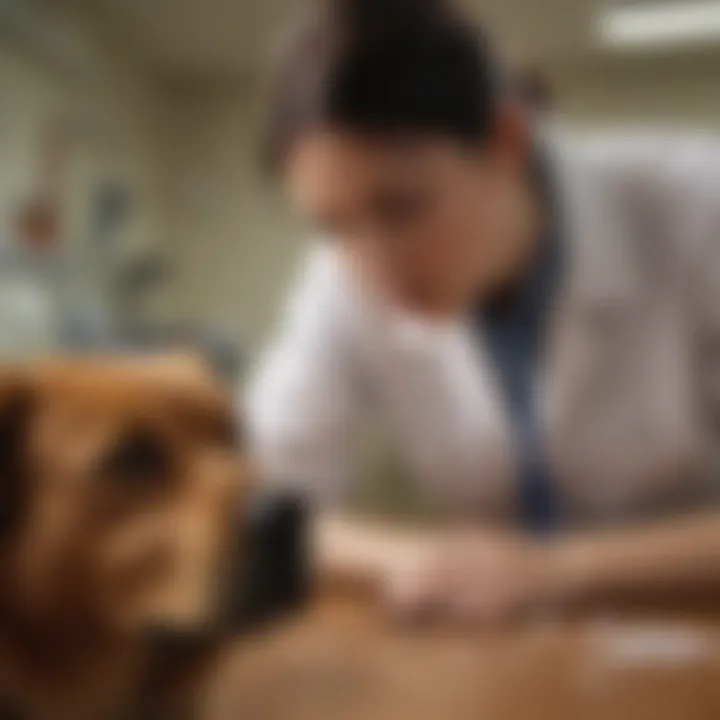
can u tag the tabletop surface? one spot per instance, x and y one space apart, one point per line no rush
342 660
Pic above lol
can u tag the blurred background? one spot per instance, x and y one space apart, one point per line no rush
132 211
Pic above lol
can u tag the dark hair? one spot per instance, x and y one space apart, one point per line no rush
383 67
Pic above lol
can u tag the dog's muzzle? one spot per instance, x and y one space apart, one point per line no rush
268 577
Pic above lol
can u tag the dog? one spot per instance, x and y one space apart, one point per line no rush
121 484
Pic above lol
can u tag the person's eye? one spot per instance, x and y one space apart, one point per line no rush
401 207
225 432
138 458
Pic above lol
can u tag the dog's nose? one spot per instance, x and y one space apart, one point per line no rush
171 642
272 577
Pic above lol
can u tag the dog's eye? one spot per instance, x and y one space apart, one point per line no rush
226 433
138 457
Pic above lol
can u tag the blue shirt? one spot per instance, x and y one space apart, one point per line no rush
514 325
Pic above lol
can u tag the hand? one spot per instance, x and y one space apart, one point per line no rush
477 578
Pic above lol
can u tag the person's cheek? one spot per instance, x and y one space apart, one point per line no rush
421 272
472 250
448 262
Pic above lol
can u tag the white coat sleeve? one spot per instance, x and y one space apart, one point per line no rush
303 403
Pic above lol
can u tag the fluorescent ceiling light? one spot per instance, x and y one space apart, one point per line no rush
660 23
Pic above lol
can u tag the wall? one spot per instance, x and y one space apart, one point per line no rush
234 242
664 90
64 73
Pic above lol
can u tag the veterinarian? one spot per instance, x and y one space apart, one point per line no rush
534 315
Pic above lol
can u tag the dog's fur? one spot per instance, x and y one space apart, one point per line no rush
119 483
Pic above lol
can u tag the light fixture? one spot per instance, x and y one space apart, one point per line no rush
660 23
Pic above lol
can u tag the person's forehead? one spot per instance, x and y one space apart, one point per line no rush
328 150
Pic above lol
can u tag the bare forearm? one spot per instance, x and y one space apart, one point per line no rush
361 551
675 555
669 561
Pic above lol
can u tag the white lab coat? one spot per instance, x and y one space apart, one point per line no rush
630 389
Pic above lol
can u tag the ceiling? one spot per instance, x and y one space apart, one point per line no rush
229 36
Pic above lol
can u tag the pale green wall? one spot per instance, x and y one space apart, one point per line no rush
669 90
108 107
233 239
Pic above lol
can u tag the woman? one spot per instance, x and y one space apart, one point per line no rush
533 315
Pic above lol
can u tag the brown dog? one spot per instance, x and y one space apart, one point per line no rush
119 484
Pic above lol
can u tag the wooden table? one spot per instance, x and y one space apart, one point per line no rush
342 660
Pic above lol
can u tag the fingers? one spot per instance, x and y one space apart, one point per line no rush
410 594
468 586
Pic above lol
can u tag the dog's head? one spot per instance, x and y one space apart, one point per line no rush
120 488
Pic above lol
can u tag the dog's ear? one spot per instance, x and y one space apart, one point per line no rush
15 405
